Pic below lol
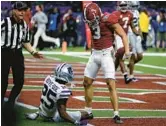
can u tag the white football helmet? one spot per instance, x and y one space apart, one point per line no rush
122 6
92 14
134 5
64 72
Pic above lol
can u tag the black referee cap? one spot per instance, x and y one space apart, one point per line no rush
20 5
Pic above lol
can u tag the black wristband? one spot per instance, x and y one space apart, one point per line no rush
33 52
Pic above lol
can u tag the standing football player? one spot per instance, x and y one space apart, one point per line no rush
135 40
102 27
55 95
125 19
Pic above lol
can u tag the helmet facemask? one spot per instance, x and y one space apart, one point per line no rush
64 72
123 7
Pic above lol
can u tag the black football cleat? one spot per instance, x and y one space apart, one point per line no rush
117 120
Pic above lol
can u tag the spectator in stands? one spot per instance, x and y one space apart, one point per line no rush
144 26
154 25
69 28
161 34
53 24
40 19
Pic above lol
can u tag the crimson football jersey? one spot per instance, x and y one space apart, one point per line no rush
103 34
124 19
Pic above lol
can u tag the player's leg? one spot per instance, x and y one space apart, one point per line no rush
36 37
88 88
136 56
164 41
50 39
119 55
139 58
131 65
108 68
119 60
89 74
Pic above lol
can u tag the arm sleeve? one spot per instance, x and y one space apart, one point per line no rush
65 94
44 18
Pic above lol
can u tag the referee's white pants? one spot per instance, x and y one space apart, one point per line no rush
41 32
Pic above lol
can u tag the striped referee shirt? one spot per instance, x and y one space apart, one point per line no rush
13 34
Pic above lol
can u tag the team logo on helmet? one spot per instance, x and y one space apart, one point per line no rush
64 72
92 14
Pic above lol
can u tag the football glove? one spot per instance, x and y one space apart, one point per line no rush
32 116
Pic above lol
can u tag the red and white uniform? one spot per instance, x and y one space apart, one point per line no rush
124 19
103 38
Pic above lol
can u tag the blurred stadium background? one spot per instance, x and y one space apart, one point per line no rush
153 8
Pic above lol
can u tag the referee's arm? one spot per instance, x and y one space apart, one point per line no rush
29 48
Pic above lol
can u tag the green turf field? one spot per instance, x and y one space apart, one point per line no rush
157 61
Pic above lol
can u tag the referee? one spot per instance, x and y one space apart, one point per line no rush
14 35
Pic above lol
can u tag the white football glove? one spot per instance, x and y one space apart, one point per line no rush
127 56
32 116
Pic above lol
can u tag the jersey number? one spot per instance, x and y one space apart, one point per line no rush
125 20
96 32
50 95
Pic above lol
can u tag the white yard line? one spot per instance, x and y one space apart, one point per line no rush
53 58
88 53
151 66
24 105
133 117
130 100
149 110
161 83
160 75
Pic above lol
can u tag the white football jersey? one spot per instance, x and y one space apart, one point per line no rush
51 93
135 20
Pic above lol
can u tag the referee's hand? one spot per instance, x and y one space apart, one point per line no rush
37 55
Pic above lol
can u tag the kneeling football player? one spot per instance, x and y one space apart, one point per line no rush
55 94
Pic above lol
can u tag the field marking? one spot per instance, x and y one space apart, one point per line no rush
160 75
33 107
160 83
155 110
53 58
150 66
129 93
131 89
130 100
23 105
132 117
88 53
